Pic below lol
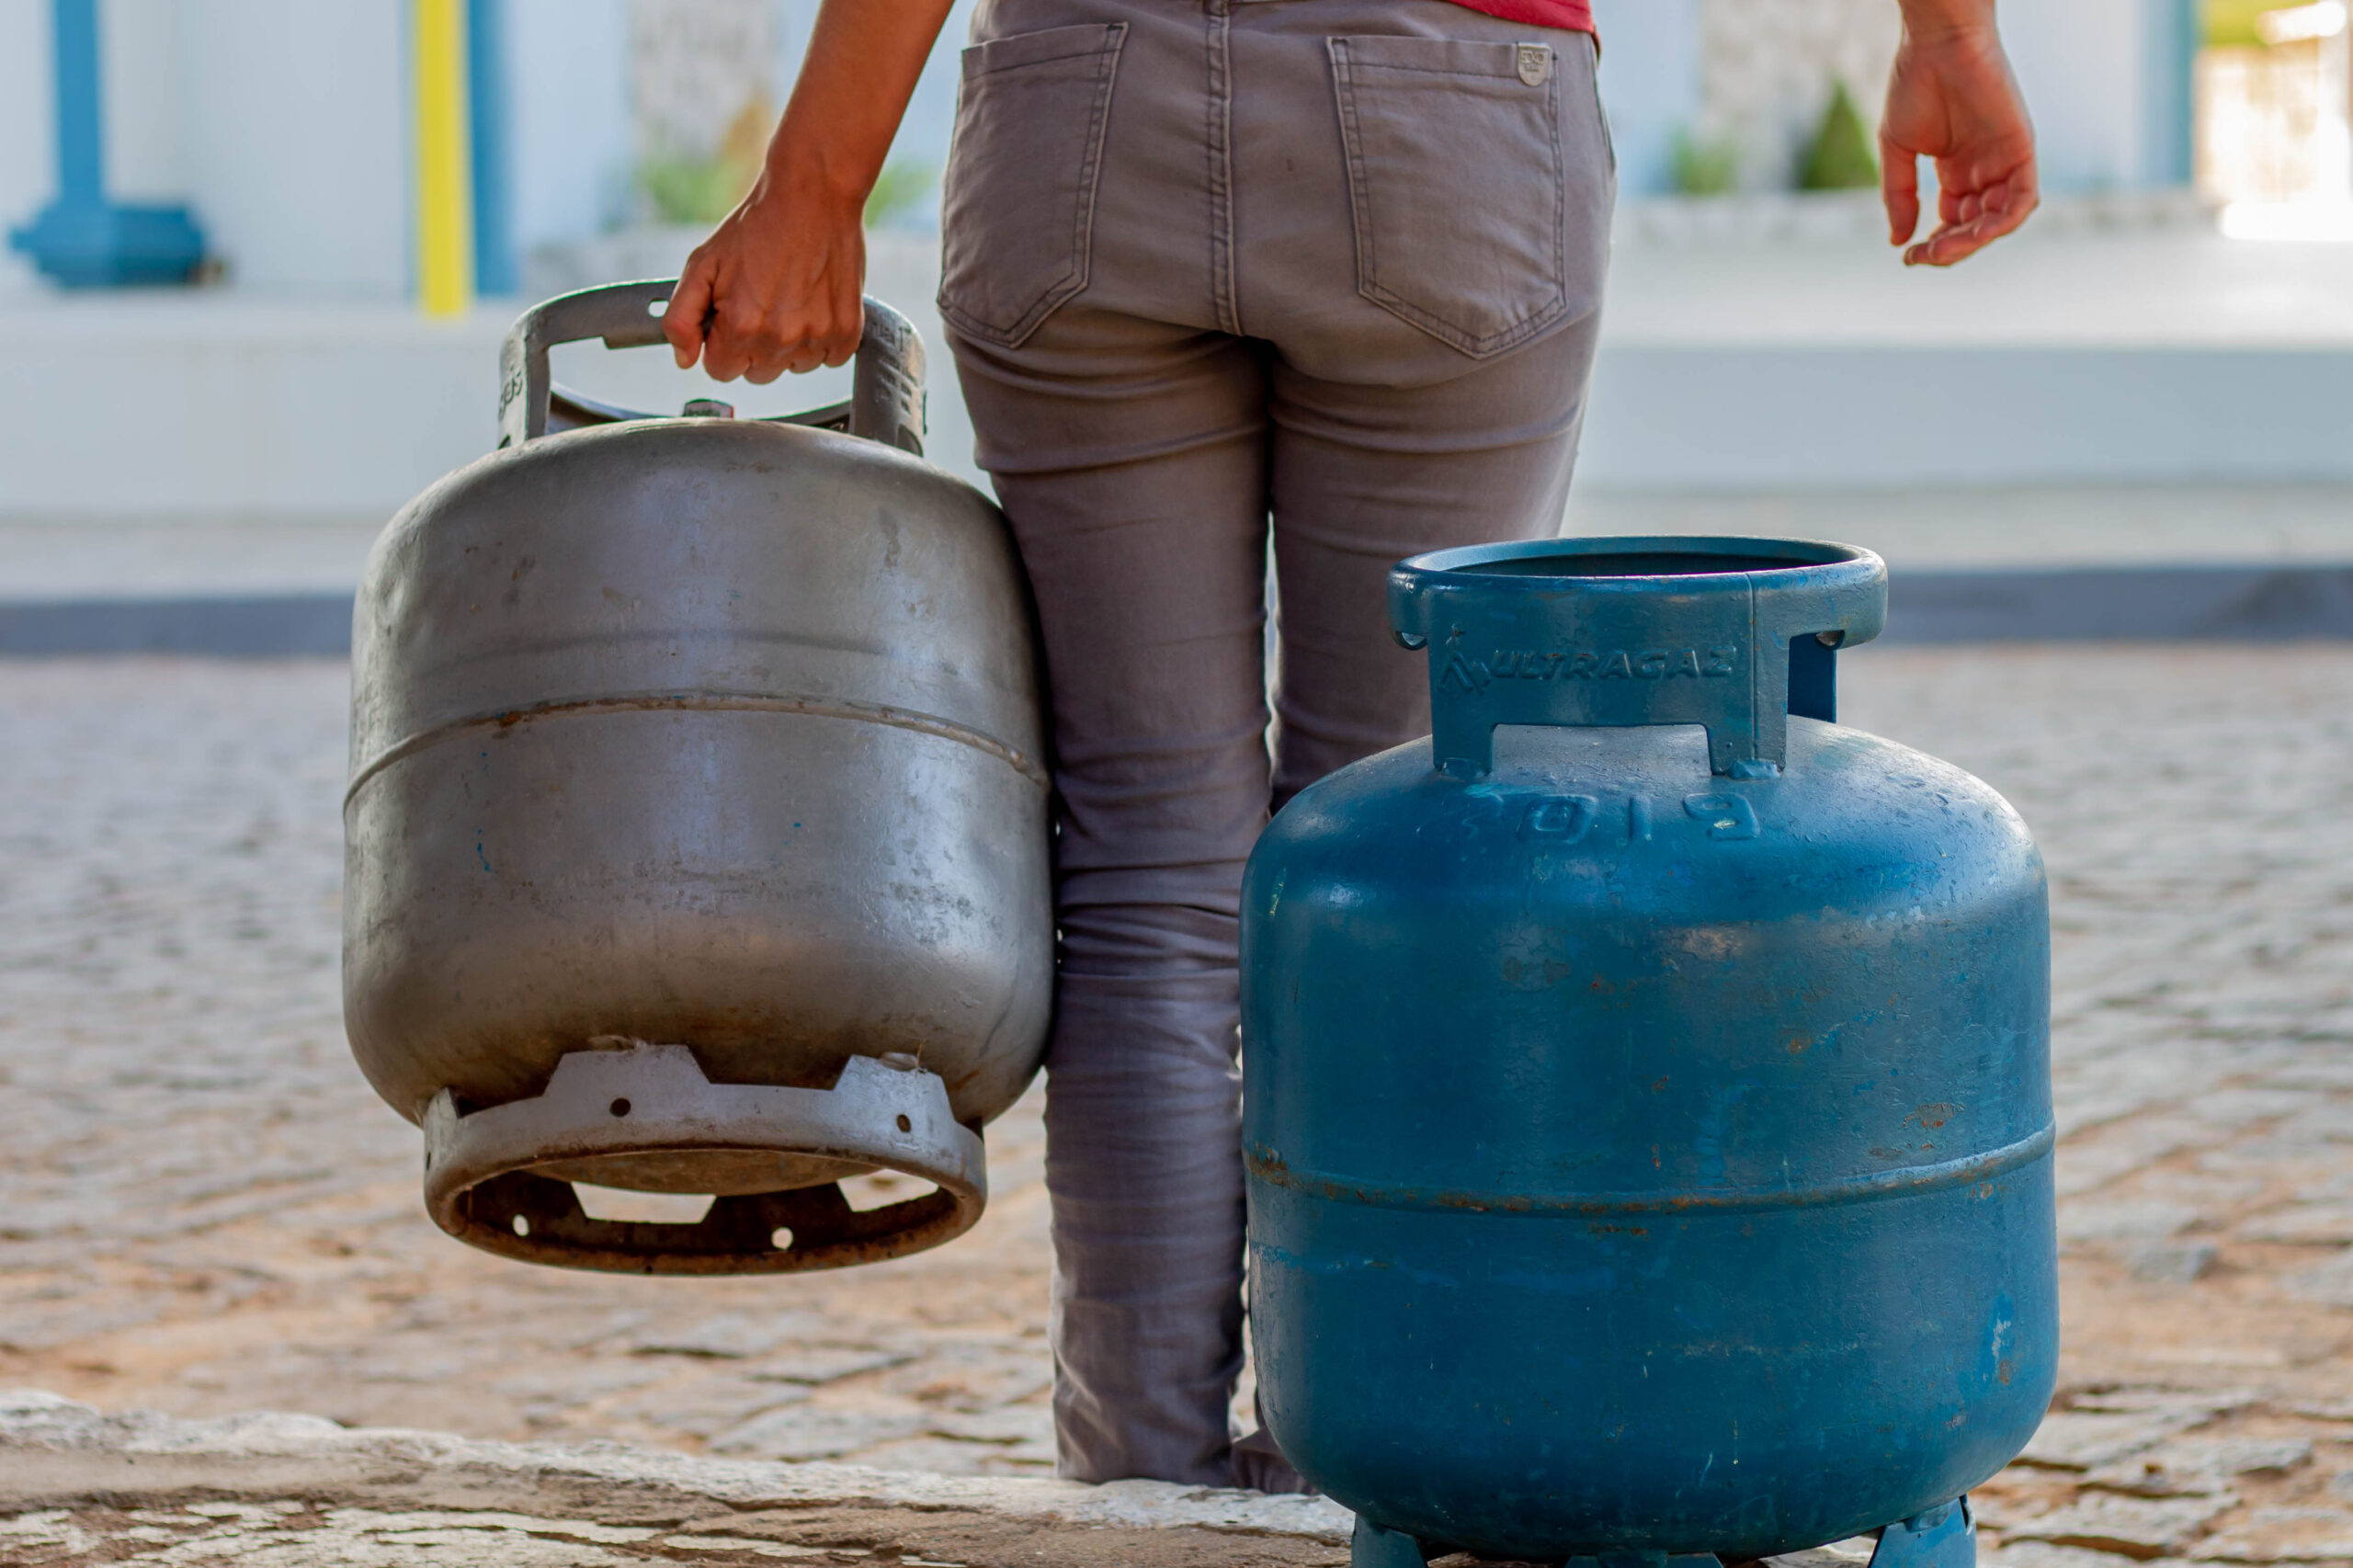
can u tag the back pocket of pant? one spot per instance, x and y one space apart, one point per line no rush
1459 185
1018 206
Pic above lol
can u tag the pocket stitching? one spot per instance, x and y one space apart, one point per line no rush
1106 41
1345 70
1429 71
1076 271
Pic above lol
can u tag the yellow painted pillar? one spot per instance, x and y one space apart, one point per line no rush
445 239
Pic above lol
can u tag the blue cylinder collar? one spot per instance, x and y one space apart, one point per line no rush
1719 632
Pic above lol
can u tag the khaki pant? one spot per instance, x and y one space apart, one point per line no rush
1335 263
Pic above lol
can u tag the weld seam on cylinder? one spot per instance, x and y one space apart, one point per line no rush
708 702
1904 1183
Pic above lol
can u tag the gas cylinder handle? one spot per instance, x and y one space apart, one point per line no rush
886 385
1733 634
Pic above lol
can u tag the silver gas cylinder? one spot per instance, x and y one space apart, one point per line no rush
696 839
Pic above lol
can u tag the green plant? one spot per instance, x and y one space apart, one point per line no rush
689 190
702 188
701 192
1840 157
902 183
2231 24
1704 167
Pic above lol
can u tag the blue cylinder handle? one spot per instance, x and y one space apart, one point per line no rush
1633 631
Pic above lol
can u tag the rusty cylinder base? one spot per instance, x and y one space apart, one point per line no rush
650 1107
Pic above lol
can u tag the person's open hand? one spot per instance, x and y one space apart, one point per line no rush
777 286
1952 97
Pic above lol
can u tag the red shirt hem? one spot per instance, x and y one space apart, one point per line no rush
1574 15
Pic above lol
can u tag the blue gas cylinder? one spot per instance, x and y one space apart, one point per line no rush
1646 1082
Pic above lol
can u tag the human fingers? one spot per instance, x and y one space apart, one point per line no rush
1992 220
1982 215
763 333
731 345
814 352
832 342
835 341
1992 215
1899 190
682 323
795 358
839 344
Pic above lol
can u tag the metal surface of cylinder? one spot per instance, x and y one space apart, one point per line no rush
706 732
1647 1084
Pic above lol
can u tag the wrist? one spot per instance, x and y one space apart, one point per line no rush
809 174
1935 21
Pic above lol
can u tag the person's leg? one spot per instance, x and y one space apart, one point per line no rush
1132 460
1125 430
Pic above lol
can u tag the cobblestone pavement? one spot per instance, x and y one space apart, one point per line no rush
204 1210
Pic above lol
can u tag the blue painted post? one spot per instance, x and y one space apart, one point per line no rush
81 239
496 269
2169 132
81 158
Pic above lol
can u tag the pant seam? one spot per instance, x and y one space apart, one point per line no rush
1221 170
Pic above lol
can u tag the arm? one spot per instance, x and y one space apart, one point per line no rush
1952 97
775 286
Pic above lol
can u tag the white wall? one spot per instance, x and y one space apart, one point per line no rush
931 113
2083 66
1767 69
568 118
1759 70
574 148
282 124
1650 81
238 408
142 75
27 129
298 141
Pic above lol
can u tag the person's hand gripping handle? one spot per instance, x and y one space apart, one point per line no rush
775 286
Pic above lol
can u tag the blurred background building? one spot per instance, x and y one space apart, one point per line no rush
261 252
290 134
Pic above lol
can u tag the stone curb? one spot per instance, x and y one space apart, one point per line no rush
2212 604
2222 604
58 1454
239 626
